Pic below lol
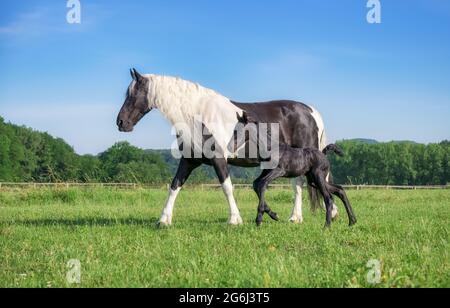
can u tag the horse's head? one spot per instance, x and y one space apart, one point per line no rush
137 103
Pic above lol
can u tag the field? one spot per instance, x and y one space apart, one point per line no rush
113 235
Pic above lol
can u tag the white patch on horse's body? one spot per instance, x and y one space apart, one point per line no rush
235 216
181 101
322 144
167 214
297 212
321 128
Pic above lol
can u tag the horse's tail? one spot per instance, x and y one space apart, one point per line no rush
333 148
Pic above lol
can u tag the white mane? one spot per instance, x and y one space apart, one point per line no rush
181 101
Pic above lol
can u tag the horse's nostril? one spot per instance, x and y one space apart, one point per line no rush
120 123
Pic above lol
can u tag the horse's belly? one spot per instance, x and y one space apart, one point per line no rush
244 162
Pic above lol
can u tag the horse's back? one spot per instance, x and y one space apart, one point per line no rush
298 127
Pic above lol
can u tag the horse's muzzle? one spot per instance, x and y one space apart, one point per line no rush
124 127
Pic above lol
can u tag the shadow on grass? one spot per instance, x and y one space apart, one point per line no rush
89 222
151 222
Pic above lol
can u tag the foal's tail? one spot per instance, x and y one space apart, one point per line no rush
333 148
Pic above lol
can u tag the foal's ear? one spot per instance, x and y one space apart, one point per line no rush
132 73
242 119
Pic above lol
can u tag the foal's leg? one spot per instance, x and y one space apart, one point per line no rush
221 168
340 193
260 187
334 211
256 188
321 183
297 212
185 169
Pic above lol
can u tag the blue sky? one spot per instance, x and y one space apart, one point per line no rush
388 82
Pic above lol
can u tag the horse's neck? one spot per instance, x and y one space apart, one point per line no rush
181 101
184 104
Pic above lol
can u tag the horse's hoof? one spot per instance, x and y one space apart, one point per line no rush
259 224
352 222
334 214
162 225
235 221
165 221
296 220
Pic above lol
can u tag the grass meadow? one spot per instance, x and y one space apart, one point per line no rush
113 235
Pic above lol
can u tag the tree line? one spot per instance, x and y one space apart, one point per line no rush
30 156
393 163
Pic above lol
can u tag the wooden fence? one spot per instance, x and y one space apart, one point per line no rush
194 186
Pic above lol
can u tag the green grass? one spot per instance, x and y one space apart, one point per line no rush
114 236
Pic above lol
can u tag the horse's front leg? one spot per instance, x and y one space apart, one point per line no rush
185 169
221 168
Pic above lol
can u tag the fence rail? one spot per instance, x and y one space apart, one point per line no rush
197 186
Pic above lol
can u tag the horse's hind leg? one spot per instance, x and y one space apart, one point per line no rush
335 211
340 193
297 211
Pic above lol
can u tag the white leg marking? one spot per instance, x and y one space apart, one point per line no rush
334 211
166 217
235 216
297 212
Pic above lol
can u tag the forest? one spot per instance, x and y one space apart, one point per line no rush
30 156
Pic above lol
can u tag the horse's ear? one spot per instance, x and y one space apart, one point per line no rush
138 77
132 74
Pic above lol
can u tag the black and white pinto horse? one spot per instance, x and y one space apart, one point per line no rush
180 101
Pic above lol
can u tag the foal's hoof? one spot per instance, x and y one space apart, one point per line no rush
274 216
352 222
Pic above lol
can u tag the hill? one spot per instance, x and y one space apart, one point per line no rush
363 140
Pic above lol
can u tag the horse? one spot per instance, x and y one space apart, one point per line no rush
180 101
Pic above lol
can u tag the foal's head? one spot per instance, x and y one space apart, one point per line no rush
137 103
